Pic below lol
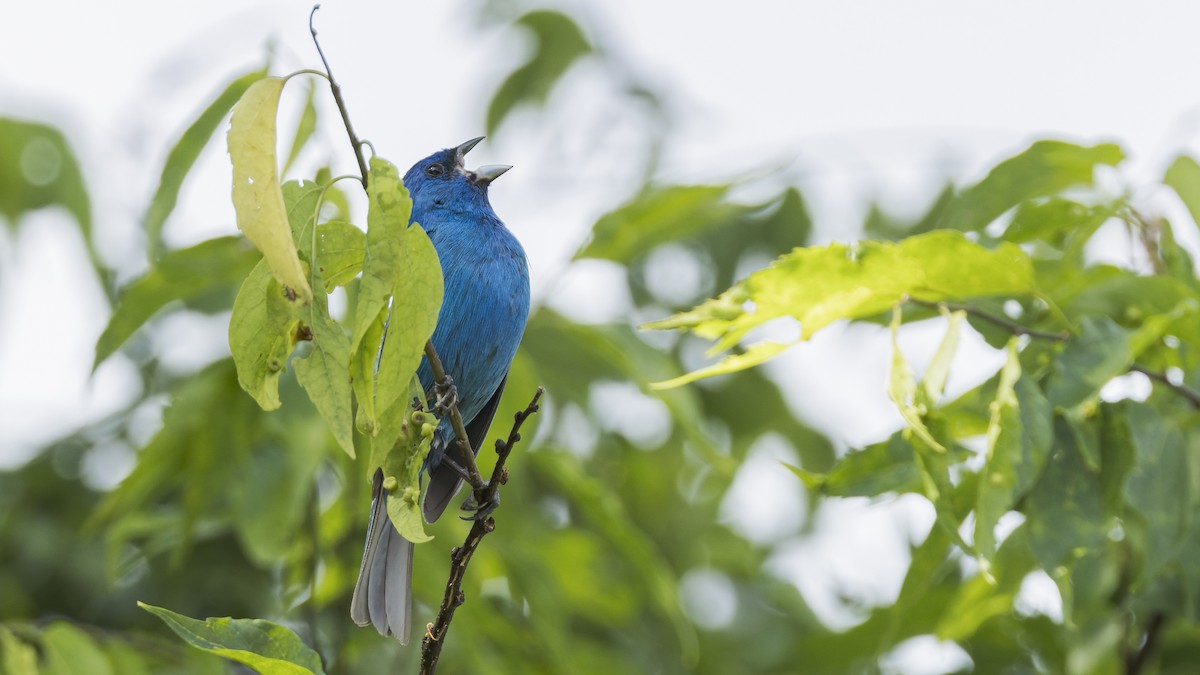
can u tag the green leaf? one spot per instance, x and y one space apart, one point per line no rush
1064 510
1057 221
558 44
1158 487
340 250
262 331
902 389
820 285
325 374
306 126
889 466
214 266
401 263
401 460
1183 176
1045 168
598 504
984 596
1088 362
266 647
70 651
933 382
388 211
39 169
19 658
659 215
183 156
1019 437
257 197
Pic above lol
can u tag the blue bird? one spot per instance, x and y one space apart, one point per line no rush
484 309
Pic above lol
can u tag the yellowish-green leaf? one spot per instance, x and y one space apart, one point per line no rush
257 198
820 285
410 433
261 335
19 658
902 389
363 365
70 651
388 210
266 647
756 354
340 250
933 383
418 298
1019 437
325 375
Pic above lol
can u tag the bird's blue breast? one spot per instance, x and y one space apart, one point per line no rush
484 307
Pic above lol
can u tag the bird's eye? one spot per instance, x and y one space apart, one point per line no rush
435 170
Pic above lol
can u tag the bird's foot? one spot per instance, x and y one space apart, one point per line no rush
447 397
481 511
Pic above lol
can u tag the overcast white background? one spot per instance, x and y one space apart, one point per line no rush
859 100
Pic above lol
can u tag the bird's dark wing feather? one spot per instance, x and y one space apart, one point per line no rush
444 481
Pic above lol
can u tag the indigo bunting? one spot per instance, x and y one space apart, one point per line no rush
484 308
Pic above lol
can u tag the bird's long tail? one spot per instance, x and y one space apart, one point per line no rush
383 593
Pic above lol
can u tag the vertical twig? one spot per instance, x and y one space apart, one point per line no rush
337 98
460 556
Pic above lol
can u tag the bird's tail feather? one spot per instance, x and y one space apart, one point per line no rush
383 593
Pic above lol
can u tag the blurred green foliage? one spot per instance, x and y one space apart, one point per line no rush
233 511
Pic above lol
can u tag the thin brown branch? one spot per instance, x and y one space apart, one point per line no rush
460 556
1190 394
466 452
337 98
1005 323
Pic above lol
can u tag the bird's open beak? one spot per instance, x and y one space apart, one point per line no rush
484 174
490 172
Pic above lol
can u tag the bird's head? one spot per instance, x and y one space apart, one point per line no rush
442 178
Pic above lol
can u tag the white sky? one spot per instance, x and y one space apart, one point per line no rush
860 99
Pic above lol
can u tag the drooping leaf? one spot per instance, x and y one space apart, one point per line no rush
902 389
214 266
266 647
1043 169
1019 437
19 658
183 156
257 197
558 44
820 285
